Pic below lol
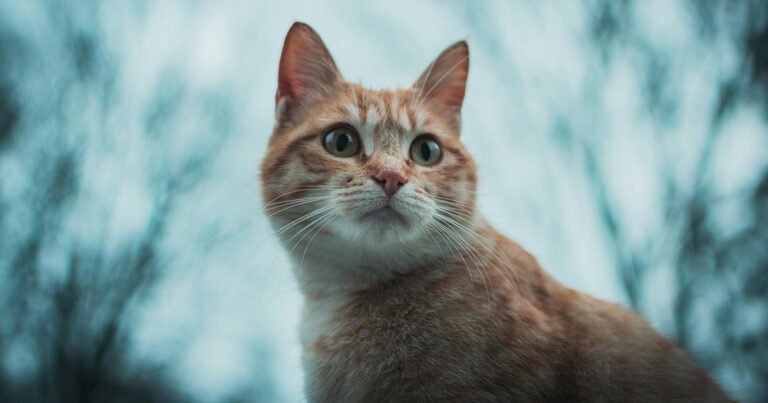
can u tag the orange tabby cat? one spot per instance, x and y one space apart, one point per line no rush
409 294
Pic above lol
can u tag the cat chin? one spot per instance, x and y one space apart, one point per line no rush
380 228
384 217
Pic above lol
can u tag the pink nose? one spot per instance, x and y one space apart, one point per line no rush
391 181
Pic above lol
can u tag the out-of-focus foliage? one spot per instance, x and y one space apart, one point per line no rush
718 251
624 142
80 249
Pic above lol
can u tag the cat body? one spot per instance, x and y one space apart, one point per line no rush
409 294
443 337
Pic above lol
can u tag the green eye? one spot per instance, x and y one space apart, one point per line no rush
426 151
342 142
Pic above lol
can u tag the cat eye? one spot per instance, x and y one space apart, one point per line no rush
342 142
426 151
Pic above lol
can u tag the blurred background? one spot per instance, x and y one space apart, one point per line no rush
624 143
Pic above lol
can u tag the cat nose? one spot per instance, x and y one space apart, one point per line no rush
390 180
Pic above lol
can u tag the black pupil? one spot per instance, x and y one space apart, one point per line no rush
426 150
342 141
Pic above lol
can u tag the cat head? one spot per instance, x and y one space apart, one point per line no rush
377 169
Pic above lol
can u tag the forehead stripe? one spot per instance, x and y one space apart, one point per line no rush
354 114
403 119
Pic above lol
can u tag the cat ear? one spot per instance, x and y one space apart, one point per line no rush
307 71
445 80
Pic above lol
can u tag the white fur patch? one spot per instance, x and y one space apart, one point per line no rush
421 118
354 114
403 119
371 120
317 318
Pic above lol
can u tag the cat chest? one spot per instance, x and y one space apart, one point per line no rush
368 349
415 352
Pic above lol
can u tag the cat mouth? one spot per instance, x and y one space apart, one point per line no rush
385 214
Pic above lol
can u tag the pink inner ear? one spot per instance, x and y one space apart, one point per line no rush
288 87
444 82
306 67
451 96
